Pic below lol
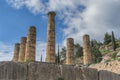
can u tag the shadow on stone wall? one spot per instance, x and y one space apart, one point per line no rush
46 71
107 75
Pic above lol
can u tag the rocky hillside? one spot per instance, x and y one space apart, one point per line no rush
112 66
110 58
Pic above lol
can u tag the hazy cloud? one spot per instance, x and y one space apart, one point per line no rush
40 50
6 52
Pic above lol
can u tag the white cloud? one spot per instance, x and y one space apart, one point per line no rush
35 6
40 50
16 3
6 52
97 18
94 17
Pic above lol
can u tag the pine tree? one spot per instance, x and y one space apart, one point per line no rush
41 58
58 57
96 54
62 55
78 50
107 38
113 41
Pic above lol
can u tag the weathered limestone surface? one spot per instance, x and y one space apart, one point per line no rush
106 75
43 71
86 73
50 50
68 72
22 49
16 52
89 74
31 44
79 75
46 71
87 58
70 51
13 71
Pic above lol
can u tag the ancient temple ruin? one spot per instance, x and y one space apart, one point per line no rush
50 49
31 44
70 51
26 50
87 55
16 52
22 49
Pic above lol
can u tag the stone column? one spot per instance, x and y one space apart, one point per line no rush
22 49
50 50
87 59
16 52
70 51
31 44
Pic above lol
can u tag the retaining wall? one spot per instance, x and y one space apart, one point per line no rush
46 71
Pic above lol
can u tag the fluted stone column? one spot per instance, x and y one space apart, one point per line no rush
16 52
22 49
50 50
87 59
70 51
31 44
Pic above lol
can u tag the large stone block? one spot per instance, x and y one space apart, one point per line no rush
78 72
89 74
67 72
43 71
106 75
13 71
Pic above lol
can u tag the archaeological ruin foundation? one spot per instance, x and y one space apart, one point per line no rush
24 67
27 48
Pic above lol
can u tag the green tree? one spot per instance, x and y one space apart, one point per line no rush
96 54
107 38
63 54
113 41
58 56
78 50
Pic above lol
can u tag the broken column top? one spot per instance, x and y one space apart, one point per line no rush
32 29
51 13
17 44
23 39
69 38
86 36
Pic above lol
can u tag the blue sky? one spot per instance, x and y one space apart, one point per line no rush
74 19
15 23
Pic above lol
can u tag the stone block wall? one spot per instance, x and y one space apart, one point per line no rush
13 71
106 75
47 71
